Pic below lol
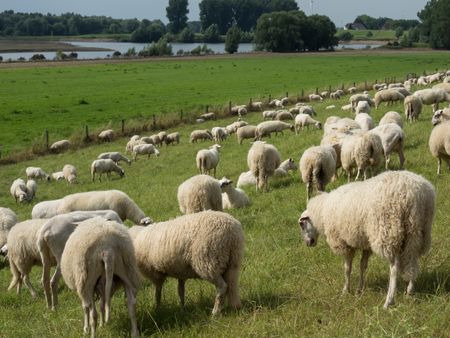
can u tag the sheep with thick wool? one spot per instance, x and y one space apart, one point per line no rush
413 107
392 117
58 176
266 128
219 134
200 135
46 209
355 98
305 120
106 135
269 114
389 96
307 110
70 173
198 193
36 173
31 189
98 252
439 143
232 197
284 115
390 214
247 178
18 190
105 166
392 138
245 132
59 146
233 127
362 107
365 121
440 115
262 160
208 159
367 152
115 156
208 245
172 138
432 96
7 220
144 149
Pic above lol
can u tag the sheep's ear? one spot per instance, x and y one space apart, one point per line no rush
303 221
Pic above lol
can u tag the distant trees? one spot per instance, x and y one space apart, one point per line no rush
385 23
218 12
435 26
177 11
149 31
232 39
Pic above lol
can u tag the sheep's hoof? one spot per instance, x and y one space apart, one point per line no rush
388 304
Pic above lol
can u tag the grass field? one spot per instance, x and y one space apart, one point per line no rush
65 99
380 35
287 289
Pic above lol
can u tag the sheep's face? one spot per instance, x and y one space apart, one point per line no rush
4 250
319 125
146 221
122 173
436 117
225 183
309 233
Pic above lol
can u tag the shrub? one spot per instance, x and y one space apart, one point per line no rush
232 39
159 48
345 36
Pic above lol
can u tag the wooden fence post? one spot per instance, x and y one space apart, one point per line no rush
317 91
154 122
270 98
181 115
86 129
123 126
229 107
46 139
250 103
329 89
287 94
207 109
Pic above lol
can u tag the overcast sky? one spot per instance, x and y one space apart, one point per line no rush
340 11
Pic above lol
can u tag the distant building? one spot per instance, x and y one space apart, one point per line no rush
355 26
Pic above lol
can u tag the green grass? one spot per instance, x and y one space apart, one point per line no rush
287 289
376 34
38 98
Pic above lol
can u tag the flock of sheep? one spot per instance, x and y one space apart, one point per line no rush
83 235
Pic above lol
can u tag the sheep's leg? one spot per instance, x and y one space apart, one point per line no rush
394 268
27 282
181 291
46 276
86 317
357 174
221 288
93 318
131 304
348 269
388 159
401 157
363 267
439 166
158 289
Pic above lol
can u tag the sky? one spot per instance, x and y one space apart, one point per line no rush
340 11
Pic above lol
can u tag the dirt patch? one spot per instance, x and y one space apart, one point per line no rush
28 45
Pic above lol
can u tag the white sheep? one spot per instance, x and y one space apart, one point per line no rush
198 193
330 107
422 81
172 138
70 173
432 96
31 189
219 134
317 167
238 109
315 97
390 214
103 166
245 132
162 136
307 110
368 152
232 197
131 143
256 105
443 86
276 103
37 173
200 135
347 107
362 107
46 209
355 98
269 114
115 156
97 252
335 95
115 200
389 96
7 220
352 90
266 128
392 138
262 160
232 128
305 120
61 145
392 117
365 121
247 178
208 245
58 176
19 190
440 115
439 143
283 115
106 135
208 116
208 159
413 107
402 91
144 149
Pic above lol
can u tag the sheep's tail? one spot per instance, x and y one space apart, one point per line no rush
108 261
16 276
231 275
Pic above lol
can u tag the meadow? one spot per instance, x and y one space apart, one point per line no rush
287 289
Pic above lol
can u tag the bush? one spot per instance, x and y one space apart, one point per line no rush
187 35
116 54
369 34
131 52
202 50
160 48
212 34
345 36
37 57
232 39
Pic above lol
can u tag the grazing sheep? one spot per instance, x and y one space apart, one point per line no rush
443 86
147 140
7 220
317 167
208 116
37 173
305 120
352 90
315 97
413 107
440 115
207 245
402 91
392 138
31 189
390 214
388 96
422 81
70 173
392 117
172 138
344 125
435 77
238 109
347 107
200 135
283 115
232 197
335 95
432 96
156 140
355 98
324 93
247 178
59 146
378 86
19 190
262 160
208 159
439 144
131 143
106 135
105 166
46 209
368 152
245 132
162 136
52 238
58 176
268 127
98 252
269 114
232 128
115 156
307 110
115 200
256 106
219 134
144 149
198 193
134 138
362 107
276 103
365 121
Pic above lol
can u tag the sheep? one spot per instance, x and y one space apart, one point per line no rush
422 81
245 132
432 96
347 154
247 178
346 107
440 115
388 96
268 127
439 144
134 138
330 107
315 97
51 239
365 121
115 200
162 136
392 117
58 176
97 252
362 107
276 103
208 245
144 149
131 144
344 125
156 140
238 109
324 93
200 135
19 190
262 160
378 86
70 173
335 95
106 135
46 209
355 98
36 172
392 138
59 146
172 138
269 114
102 166
147 140
402 91
304 120
198 193
232 128
115 156
208 116
31 189
219 134
443 86
352 90
208 159
413 108
390 214
307 110
232 197
283 115
434 77
368 152
446 79
7 220
317 167
257 105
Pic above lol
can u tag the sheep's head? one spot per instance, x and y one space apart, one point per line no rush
156 152
319 125
436 119
48 178
146 221
23 197
121 173
4 250
309 232
225 183
216 146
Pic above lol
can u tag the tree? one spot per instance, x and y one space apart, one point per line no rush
177 14
398 32
212 34
247 12
280 5
219 12
187 35
232 39
436 23
345 36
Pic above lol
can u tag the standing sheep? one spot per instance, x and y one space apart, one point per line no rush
283 115
392 138
208 159
232 197
219 134
388 96
7 220
432 96
362 107
392 117
59 146
70 173
413 107
31 189
46 209
305 120
262 160
365 121
368 153
439 144
440 115
102 166
115 156
19 190
245 132
390 214
106 135
144 149
198 193
269 114
208 245
36 172
172 138
200 135
268 127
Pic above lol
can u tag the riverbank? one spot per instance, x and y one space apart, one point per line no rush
38 45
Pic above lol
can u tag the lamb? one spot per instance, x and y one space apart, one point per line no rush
208 159
19 190
245 132
36 172
97 252
362 107
247 178
115 156
232 197
283 115
219 134
413 108
70 173
439 144
350 223
388 96
102 166
144 149
440 115
268 127
115 200
392 117
200 135
172 138
7 220
269 114
59 146
432 96
208 245
198 193
106 135
262 160
392 138
315 97
52 238
31 189
46 209
307 110
365 121
58 176
304 120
